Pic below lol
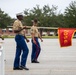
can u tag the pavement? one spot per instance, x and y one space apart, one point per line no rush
53 59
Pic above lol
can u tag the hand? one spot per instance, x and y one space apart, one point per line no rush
41 40
34 41
27 40
24 27
2 38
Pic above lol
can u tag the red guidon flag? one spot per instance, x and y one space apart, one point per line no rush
65 36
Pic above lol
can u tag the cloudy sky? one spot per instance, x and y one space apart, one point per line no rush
15 6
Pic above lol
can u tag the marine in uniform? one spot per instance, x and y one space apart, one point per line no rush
21 46
35 43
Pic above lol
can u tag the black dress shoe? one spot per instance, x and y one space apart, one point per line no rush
23 67
17 68
34 61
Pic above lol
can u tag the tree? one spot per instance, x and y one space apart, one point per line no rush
44 15
5 20
70 15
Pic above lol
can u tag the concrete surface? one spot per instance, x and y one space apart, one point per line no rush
53 59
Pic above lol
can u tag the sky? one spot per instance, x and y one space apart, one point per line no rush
12 7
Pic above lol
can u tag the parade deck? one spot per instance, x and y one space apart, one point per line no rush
53 59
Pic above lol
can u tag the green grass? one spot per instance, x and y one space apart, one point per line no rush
30 36
50 37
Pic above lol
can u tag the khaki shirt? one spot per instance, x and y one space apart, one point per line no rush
17 26
34 30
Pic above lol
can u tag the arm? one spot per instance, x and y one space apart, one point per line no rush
40 37
26 38
32 34
17 31
24 27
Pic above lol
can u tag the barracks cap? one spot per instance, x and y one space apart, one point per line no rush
19 14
